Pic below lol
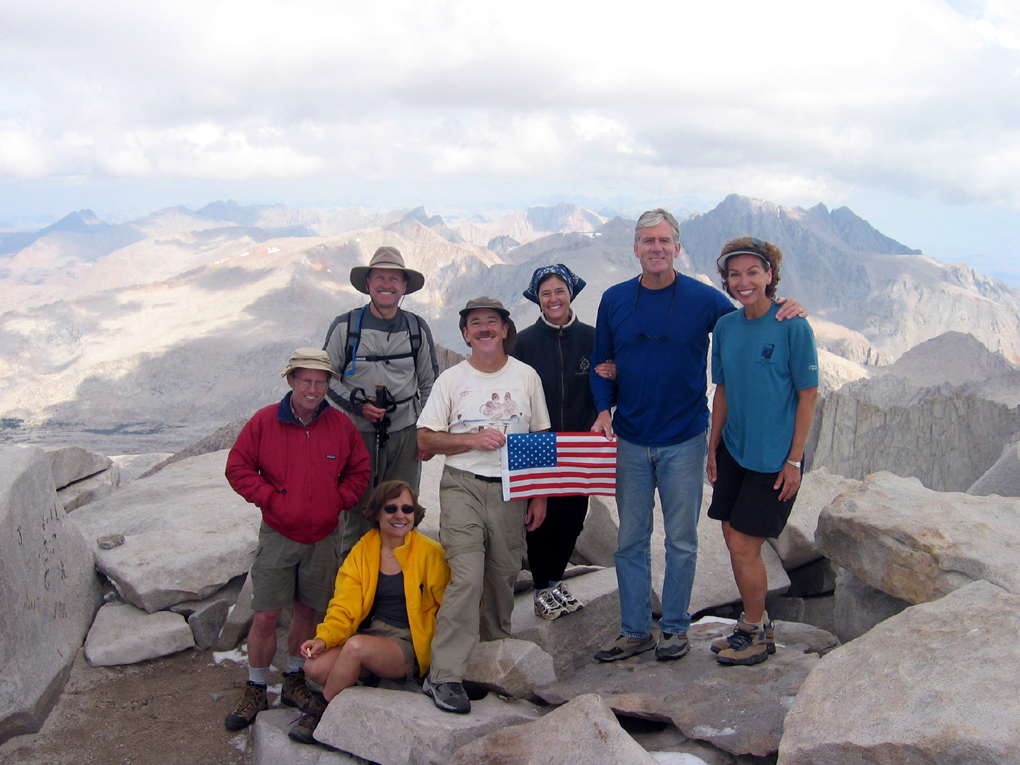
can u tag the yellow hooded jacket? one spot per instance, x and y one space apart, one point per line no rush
426 575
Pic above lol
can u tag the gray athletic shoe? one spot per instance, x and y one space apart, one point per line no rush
450 697
624 647
672 646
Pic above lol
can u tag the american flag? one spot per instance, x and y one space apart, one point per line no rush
558 464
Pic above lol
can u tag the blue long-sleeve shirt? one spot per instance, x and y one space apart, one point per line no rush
659 341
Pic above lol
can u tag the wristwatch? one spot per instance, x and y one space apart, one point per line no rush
795 464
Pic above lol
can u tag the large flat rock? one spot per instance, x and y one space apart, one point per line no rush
928 685
49 591
737 709
398 728
123 634
186 533
917 544
72 463
511 667
581 732
272 746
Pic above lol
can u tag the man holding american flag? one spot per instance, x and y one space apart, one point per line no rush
473 408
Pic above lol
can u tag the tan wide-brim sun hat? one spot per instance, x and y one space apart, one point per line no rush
309 358
387 257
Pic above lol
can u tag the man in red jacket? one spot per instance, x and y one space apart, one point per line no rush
302 463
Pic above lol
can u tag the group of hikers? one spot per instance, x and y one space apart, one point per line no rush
362 414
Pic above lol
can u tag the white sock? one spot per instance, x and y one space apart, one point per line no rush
258 675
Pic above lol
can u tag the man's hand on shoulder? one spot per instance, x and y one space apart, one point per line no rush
790 309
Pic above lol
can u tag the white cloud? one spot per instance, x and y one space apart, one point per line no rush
795 98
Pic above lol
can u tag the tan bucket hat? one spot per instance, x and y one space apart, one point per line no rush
309 358
387 257
495 305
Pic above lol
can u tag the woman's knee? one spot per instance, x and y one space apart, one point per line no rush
318 669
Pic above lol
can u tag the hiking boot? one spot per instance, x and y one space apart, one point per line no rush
254 699
564 596
547 605
745 646
770 636
296 692
624 647
450 697
303 731
672 646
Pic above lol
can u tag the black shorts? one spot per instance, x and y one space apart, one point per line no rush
746 499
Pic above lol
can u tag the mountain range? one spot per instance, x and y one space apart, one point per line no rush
162 328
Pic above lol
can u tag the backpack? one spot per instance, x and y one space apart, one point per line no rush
354 339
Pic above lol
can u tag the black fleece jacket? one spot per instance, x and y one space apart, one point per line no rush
561 356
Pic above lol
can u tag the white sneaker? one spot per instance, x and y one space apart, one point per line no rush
547 605
569 602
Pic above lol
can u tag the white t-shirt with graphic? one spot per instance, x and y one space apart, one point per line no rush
465 400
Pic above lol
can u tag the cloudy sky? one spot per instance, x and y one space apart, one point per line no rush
907 111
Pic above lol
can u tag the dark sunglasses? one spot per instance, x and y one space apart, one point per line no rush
405 509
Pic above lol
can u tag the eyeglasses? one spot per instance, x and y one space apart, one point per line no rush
317 384
405 509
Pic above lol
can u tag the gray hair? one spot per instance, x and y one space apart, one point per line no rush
654 218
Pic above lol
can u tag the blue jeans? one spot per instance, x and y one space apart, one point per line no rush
678 472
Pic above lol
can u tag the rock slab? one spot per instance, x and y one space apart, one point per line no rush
948 699
511 667
72 463
123 634
704 699
582 732
917 544
271 745
186 533
396 728
49 592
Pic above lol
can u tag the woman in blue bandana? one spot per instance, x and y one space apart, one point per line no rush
559 347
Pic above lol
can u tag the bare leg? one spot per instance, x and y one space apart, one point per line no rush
748 570
262 638
340 667
302 628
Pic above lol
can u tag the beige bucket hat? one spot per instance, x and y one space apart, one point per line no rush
309 358
387 257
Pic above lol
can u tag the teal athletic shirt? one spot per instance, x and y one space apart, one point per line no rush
763 363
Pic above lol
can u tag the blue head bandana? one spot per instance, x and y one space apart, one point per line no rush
574 282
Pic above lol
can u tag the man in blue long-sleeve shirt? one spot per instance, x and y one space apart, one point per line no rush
656 328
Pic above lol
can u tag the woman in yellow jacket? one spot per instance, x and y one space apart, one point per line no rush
382 617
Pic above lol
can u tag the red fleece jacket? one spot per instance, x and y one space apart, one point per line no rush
301 477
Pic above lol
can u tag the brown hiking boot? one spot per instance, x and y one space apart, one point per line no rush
770 636
296 692
745 647
253 700
303 731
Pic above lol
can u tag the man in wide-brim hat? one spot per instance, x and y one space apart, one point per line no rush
380 344
302 464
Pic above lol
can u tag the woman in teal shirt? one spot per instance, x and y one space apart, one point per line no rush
766 376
